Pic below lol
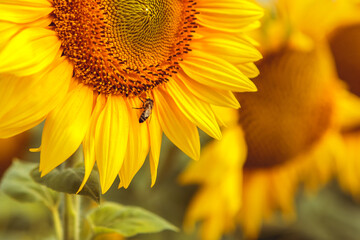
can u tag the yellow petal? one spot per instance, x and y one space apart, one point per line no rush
89 157
219 199
32 3
208 94
205 207
23 12
7 31
227 15
233 50
227 155
196 111
89 140
215 72
155 133
65 128
254 200
137 147
176 126
29 51
225 116
26 101
249 69
111 139
348 110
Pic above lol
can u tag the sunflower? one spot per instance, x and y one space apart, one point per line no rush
344 43
12 148
93 68
283 135
287 134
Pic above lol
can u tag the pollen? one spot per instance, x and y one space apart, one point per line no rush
125 47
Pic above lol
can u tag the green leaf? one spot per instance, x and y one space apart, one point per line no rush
69 180
18 184
126 220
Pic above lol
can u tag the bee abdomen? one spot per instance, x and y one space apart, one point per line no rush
142 118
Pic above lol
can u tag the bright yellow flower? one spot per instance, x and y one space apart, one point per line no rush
290 135
298 24
346 51
219 199
86 65
292 128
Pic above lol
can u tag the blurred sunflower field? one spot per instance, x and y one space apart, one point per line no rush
180 119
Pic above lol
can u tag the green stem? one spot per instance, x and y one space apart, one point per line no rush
71 217
57 223
72 204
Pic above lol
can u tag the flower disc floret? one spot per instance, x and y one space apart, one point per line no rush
124 47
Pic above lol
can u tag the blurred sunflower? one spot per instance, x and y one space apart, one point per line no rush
288 133
85 65
344 43
11 148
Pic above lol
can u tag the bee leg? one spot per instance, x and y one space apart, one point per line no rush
142 106
141 100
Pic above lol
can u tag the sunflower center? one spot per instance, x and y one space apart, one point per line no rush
292 109
346 50
124 46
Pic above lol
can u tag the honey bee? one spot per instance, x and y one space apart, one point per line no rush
147 105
